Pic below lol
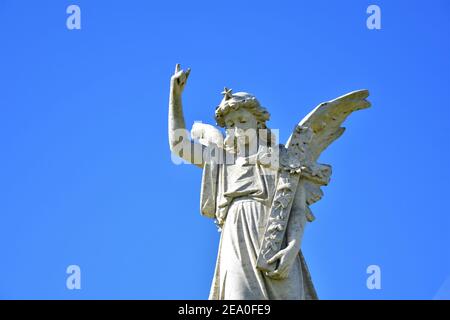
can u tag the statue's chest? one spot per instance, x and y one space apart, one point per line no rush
241 177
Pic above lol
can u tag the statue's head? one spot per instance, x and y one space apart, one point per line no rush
241 114
240 105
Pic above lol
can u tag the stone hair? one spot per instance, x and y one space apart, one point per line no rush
242 100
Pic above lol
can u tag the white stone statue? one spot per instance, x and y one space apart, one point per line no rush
258 191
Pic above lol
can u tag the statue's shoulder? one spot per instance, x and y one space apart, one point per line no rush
289 157
281 157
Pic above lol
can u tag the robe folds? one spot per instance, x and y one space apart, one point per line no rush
238 196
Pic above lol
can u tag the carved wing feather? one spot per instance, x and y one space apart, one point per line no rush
207 134
325 122
326 119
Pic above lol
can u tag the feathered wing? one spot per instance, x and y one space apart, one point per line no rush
207 134
324 125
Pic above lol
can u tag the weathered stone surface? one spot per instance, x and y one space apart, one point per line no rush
257 191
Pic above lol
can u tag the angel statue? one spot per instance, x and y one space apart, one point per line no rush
258 191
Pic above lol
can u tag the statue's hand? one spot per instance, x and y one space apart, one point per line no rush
178 80
287 257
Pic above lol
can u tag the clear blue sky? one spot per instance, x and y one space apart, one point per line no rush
86 176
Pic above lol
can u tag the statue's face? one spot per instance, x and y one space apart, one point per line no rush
241 124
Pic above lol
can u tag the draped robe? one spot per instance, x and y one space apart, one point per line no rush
238 195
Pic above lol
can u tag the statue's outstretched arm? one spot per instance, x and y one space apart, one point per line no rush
179 141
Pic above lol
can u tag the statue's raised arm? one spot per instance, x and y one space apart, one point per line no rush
179 141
